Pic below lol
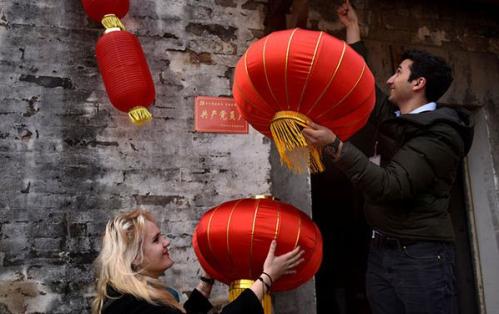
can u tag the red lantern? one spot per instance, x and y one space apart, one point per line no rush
291 77
231 241
126 74
97 9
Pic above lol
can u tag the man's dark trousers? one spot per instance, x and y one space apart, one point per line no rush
413 278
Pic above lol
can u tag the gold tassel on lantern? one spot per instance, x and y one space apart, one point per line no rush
139 115
112 21
294 150
238 286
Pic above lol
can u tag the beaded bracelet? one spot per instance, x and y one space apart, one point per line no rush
266 284
209 281
271 281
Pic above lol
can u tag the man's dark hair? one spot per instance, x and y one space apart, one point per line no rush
435 70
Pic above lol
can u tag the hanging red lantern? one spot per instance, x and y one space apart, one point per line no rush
292 77
97 9
125 73
231 241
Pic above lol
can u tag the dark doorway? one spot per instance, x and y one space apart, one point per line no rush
337 209
465 278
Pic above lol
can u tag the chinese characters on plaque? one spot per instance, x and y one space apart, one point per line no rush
218 115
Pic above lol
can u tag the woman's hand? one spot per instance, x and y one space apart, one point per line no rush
276 266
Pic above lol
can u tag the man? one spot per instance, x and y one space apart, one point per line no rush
406 182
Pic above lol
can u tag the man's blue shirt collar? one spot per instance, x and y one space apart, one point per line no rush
431 106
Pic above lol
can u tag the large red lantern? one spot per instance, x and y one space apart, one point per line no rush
292 77
231 241
97 9
125 73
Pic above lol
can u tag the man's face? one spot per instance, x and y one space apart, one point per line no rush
156 256
399 85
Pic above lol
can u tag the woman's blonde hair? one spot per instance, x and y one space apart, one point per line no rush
117 263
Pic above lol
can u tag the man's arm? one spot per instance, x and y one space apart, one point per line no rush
348 17
413 168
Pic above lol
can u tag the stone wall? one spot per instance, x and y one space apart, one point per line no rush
69 160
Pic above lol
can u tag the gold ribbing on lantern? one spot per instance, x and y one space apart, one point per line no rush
293 149
112 21
139 115
238 286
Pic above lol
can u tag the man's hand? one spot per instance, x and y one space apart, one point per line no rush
348 17
318 135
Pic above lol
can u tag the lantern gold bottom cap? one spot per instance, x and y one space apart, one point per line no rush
139 115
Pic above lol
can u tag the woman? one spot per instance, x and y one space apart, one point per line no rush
135 254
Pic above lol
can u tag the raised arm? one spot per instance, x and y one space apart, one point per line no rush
412 170
348 17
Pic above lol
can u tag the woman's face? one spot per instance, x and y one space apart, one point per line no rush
156 257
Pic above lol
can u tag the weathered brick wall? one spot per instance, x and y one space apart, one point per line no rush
69 160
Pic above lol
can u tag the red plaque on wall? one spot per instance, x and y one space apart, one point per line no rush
218 115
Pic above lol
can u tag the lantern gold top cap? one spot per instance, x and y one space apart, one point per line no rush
264 197
112 21
112 29
241 284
